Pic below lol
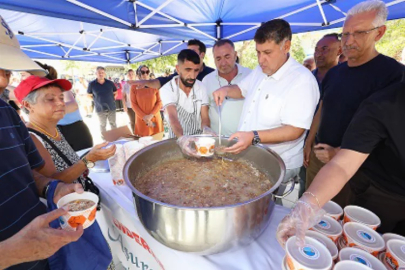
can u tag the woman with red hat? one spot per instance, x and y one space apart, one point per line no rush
43 100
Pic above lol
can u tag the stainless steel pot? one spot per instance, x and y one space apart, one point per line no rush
204 230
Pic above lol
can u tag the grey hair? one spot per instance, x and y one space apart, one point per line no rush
31 98
371 5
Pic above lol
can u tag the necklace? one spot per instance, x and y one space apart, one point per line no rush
45 132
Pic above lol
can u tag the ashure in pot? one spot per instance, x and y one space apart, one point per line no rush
204 230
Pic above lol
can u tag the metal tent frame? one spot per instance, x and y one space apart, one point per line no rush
106 43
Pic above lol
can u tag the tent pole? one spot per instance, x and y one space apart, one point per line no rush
35 51
74 44
97 37
174 47
155 11
325 21
242 32
83 55
102 13
112 57
109 47
55 42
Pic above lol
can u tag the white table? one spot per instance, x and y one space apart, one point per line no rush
133 247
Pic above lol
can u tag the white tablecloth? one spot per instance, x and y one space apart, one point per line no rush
134 248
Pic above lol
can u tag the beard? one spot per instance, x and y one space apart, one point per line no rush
187 82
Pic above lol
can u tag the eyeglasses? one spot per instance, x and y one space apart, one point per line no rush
357 34
143 72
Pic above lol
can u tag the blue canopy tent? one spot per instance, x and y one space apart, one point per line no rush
128 31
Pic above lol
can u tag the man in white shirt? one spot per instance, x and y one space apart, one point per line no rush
185 99
280 98
228 73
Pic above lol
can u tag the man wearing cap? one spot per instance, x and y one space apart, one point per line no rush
26 240
103 92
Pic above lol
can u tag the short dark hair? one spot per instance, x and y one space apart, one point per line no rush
130 70
100 67
201 46
333 35
222 42
276 30
188 55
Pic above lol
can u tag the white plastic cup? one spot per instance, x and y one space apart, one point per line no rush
205 146
329 227
361 256
350 265
313 255
284 264
361 215
327 242
363 237
395 254
389 236
73 219
333 210
116 164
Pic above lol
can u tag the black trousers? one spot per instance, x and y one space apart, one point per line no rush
388 206
77 135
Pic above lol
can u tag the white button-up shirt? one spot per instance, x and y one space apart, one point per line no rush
288 97
231 108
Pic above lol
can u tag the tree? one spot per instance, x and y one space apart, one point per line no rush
393 42
297 51
160 64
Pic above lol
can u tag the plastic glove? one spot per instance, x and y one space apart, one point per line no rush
305 215
209 131
187 146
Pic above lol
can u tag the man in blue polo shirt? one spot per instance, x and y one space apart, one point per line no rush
103 92
26 240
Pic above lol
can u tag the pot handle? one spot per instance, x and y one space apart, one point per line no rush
294 181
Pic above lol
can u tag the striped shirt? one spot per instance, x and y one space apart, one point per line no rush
19 200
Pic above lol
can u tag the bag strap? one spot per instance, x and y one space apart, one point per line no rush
54 147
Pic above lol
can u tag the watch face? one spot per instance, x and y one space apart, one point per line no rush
256 140
90 164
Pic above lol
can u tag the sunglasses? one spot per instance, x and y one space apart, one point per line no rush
143 72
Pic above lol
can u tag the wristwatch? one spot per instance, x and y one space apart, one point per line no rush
256 138
89 164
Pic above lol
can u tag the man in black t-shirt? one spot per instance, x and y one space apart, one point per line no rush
348 84
374 146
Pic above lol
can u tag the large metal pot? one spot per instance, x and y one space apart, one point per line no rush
204 230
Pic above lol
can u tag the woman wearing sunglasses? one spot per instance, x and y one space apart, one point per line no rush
147 104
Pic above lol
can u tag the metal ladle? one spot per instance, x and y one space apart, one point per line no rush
219 124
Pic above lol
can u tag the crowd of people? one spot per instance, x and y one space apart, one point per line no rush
335 120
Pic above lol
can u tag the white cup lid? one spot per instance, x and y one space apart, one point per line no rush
361 256
397 247
363 235
362 215
345 265
332 208
328 226
324 241
313 255
389 236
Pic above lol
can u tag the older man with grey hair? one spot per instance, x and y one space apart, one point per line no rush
347 85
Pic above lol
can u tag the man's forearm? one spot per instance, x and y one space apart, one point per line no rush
90 96
40 181
314 127
280 134
155 83
177 129
9 252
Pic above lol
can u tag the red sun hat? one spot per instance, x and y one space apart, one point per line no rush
33 83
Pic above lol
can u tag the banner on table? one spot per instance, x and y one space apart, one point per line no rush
127 245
